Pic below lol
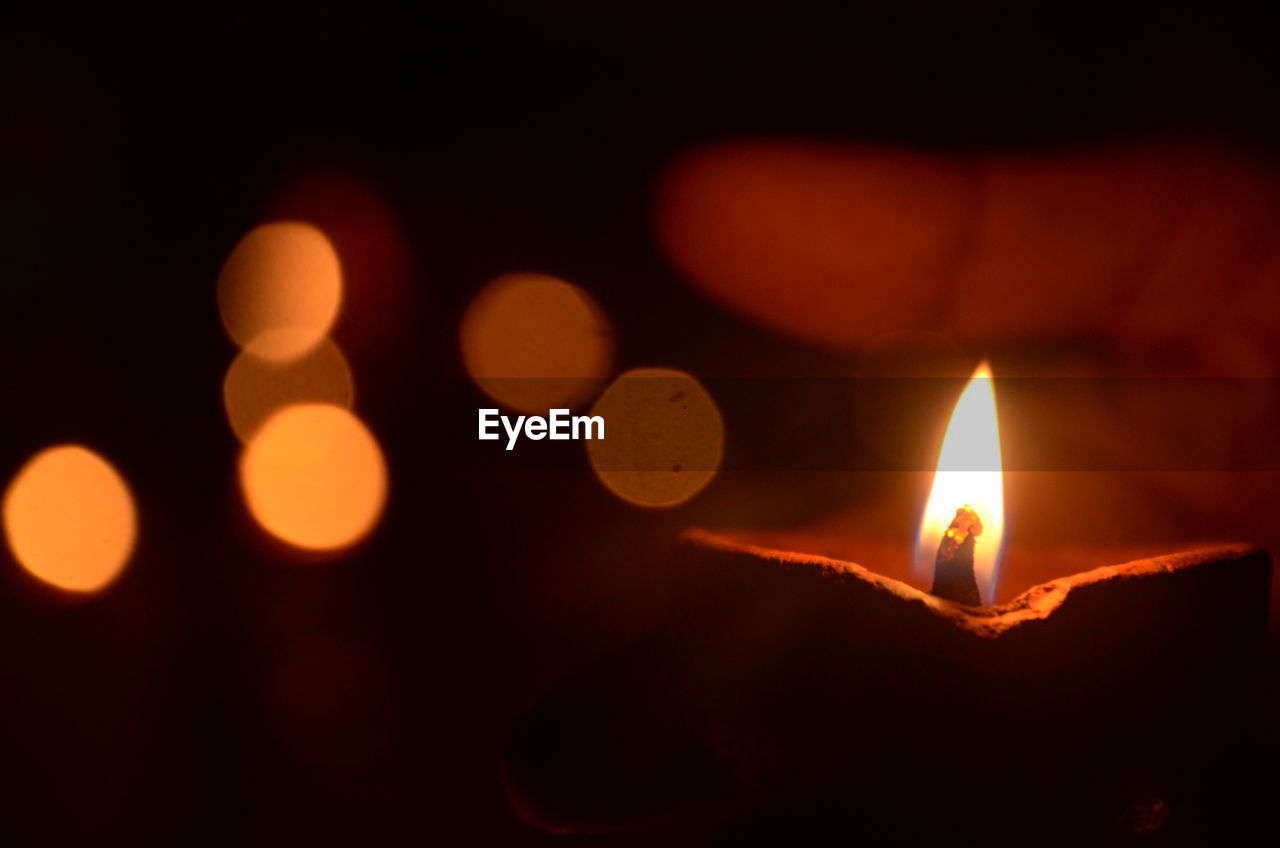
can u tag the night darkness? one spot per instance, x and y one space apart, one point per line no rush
228 690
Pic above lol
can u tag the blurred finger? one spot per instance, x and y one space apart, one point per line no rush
841 245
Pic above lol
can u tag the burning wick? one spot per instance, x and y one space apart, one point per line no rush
953 576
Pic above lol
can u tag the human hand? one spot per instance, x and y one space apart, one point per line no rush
1158 252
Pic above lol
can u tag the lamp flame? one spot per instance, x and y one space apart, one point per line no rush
970 473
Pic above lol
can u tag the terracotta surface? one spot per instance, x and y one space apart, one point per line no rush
815 689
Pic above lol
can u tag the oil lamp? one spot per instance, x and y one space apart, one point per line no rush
1094 701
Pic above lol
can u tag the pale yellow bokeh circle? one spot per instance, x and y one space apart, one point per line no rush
534 342
280 290
254 387
664 437
70 519
314 476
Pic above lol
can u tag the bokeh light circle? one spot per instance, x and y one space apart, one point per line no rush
254 387
664 437
534 342
314 476
70 519
280 290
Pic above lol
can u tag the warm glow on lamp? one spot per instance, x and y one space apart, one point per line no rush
969 473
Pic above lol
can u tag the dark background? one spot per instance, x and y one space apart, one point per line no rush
220 691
